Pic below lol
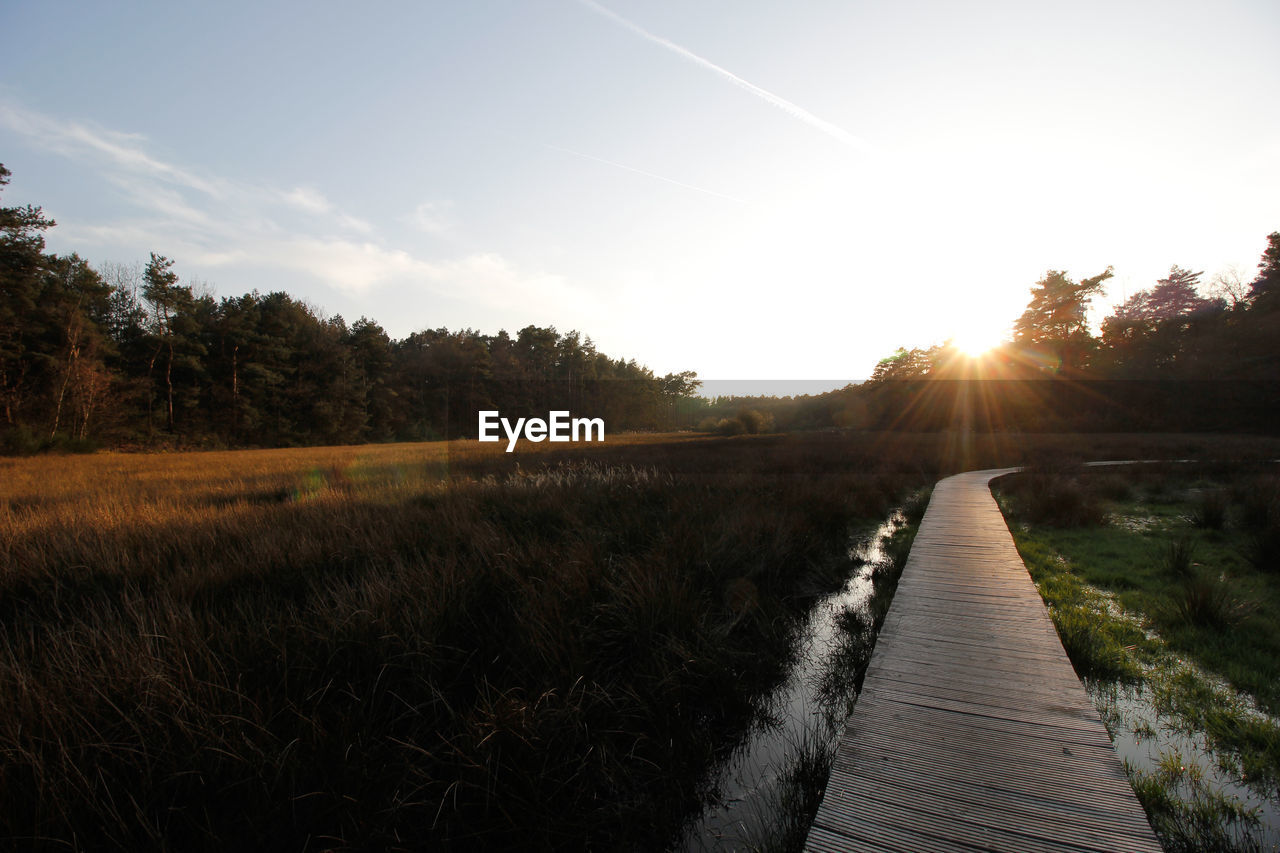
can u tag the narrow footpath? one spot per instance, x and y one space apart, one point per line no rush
972 731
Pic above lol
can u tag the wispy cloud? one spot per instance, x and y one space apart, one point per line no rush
434 218
308 199
791 109
343 264
71 138
646 174
213 222
486 278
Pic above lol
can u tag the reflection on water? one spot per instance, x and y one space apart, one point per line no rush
1143 738
804 713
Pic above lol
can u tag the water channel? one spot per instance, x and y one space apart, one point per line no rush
804 713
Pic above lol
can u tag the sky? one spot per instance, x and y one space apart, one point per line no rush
752 190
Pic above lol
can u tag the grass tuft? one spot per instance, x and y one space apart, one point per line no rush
799 795
1187 814
914 507
1178 558
1209 509
1208 601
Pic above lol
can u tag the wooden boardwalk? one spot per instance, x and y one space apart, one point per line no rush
972 731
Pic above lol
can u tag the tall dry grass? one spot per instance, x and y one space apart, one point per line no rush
398 647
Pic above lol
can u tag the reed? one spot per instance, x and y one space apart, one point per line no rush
402 646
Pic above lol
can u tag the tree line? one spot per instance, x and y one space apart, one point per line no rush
1171 331
1181 355
133 356
1178 355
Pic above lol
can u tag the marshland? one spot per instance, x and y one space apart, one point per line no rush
408 646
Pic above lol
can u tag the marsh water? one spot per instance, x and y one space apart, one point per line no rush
1143 737
804 713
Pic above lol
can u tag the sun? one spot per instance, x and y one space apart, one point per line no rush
977 339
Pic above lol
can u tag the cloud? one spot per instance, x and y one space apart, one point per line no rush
168 193
343 264
164 200
308 200
218 259
434 218
219 222
312 201
210 223
497 283
74 139
353 266
354 223
794 110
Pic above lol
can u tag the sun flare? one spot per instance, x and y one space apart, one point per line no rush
977 340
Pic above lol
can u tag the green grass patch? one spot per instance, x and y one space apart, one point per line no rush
1099 644
1162 593
1196 587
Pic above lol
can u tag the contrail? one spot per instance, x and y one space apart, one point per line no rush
794 110
646 174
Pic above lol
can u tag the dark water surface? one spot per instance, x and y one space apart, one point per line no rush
802 713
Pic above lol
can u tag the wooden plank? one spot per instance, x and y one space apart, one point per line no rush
1045 818
980 711
876 839
1101 813
990 774
1028 738
962 832
972 731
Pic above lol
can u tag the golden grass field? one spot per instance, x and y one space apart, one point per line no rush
401 646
